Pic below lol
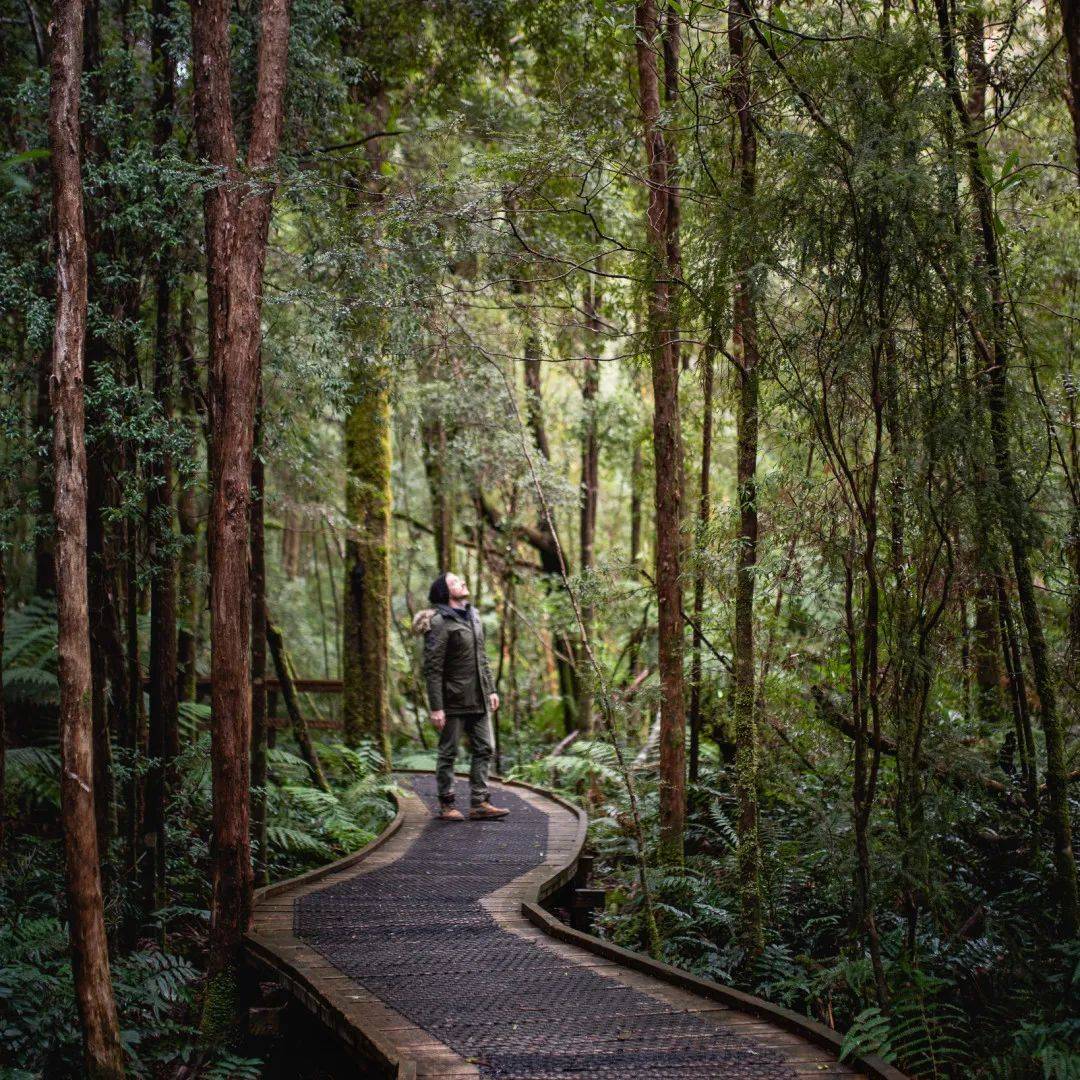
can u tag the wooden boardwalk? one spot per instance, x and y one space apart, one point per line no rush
428 955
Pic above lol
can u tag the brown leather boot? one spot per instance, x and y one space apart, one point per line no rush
487 812
449 813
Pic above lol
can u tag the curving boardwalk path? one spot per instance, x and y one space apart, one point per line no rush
422 954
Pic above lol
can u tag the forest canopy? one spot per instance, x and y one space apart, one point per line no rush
729 353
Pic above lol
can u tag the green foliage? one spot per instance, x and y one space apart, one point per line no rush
30 654
231 1067
33 776
925 1038
38 1018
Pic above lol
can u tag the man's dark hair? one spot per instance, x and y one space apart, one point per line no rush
439 593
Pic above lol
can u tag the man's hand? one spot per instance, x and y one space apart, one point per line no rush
438 718
494 699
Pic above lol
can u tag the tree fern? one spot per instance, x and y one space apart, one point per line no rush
231 1067
924 1037
30 655
296 841
33 774
1054 1047
868 1034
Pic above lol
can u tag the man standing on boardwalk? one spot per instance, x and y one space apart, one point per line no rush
460 691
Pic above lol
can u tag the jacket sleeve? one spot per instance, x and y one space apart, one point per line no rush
434 660
487 682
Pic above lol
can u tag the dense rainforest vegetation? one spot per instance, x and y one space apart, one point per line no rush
730 351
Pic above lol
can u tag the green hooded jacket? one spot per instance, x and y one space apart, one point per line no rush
455 664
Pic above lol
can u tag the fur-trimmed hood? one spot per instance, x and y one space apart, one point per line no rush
421 623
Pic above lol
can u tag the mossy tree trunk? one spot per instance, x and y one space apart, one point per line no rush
367 566
440 488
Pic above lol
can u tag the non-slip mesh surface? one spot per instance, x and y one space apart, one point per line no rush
414 934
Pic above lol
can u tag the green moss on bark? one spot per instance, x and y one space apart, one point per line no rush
367 566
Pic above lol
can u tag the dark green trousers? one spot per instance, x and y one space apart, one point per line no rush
478 729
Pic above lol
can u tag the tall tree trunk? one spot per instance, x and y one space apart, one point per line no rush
236 238
109 674
708 368
103 1056
134 736
667 443
1014 668
636 470
1013 513
590 495
1070 19
160 526
259 772
551 559
44 538
1070 16
671 44
442 502
745 336
187 513
3 713
367 566
163 642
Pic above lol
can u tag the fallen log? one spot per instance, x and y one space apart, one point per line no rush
276 641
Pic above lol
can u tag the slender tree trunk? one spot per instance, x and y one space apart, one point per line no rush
135 734
1070 15
667 441
187 512
442 503
636 470
103 1056
671 45
163 716
708 368
44 557
110 693
1014 668
367 567
236 237
258 657
551 559
590 494
3 713
746 348
160 525
1013 512
1070 19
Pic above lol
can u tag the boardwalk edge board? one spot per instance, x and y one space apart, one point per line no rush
266 956
736 999
354 1037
